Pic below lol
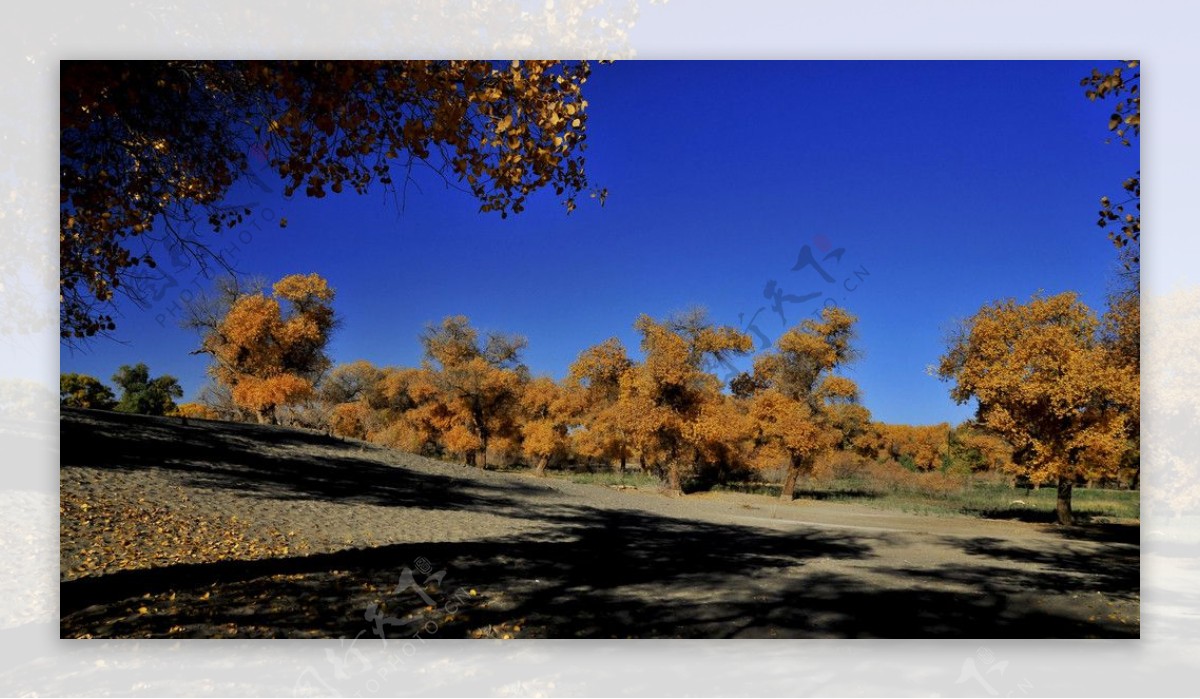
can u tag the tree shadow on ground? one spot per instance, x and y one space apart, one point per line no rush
273 462
594 573
1114 569
801 493
604 574
1083 516
834 495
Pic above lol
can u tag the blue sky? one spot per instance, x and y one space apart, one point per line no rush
944 184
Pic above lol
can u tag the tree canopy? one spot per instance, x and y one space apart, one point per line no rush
595 379
796 397
269 350
148 149
480 381
83 391
1045 381
672 400
144 395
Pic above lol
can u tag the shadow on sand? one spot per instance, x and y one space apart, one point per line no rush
599 573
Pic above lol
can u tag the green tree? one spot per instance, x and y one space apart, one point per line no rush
83 391
347 383
144 395
149 149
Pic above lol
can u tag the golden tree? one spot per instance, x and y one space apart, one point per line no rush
980 449
479 380
721 432
413 415
595 377
270 349
1045 382
198 411
549 410
670 397
149 149
346 392
351 420
797 403
786 428
925 445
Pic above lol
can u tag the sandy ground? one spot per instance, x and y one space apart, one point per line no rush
217 530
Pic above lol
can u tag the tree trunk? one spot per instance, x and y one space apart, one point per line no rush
796 466
623 457
1063 506
789 483
540 469
266 416
674 479
481 430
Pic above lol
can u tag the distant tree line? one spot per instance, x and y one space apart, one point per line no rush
1055 385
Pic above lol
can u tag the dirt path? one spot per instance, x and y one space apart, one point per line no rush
234 530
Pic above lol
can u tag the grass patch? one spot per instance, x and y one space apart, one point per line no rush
931 494
634 479
975 497
991 500
846 489
1037 505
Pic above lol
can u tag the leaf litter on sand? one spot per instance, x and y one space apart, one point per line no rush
101 535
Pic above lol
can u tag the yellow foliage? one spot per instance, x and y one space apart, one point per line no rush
799 408
926 445
542 438
268 357
501 132
461 440
477 382
788 424
1046 383
304 289
593 396
350 420
672 405
260 394
196 410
